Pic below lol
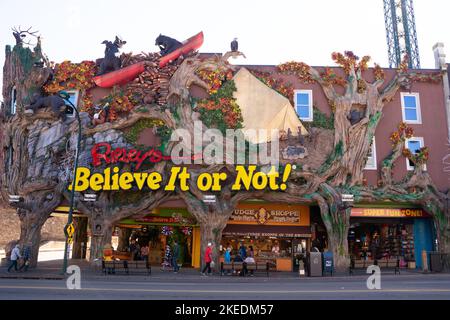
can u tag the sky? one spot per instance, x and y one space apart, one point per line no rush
269 32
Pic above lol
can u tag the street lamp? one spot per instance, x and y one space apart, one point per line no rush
69 225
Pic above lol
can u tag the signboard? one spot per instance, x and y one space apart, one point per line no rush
69 231
389 213
266 234
164 216
270 214
157 219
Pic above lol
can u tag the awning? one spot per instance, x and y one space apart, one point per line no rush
267 231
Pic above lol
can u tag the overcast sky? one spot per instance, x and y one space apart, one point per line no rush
269 32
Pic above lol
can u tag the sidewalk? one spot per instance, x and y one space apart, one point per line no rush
52 270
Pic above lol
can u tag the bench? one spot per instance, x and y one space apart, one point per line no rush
383 263
239 266
138 267
114 267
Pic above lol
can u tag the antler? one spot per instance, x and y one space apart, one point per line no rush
19 34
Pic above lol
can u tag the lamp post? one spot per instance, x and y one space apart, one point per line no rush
66 97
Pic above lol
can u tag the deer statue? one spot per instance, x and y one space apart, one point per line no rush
20 35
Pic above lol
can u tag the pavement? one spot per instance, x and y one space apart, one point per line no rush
47 282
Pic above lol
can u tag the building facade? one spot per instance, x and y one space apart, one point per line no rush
379 135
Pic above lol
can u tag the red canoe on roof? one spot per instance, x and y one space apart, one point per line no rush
119 77
191 44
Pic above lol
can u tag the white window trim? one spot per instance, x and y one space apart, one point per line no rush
77 94
374 155
419 113
13 108
310 94
422 144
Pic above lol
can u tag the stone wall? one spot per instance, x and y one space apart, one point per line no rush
10 227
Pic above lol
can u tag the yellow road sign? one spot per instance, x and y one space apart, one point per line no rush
70 230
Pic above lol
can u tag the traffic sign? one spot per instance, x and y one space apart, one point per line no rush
70 230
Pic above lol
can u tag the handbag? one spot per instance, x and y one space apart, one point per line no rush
212 264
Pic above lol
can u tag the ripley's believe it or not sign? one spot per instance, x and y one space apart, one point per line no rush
247 177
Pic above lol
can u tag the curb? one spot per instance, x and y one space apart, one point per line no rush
31 277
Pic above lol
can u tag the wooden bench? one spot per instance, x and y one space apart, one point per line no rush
139 267
239 266
226 266
390 263
114 267
383 263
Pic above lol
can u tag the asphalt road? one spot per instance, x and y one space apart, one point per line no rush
435 287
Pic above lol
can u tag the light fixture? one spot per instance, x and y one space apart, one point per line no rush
15 198
209 199
347 198
90 197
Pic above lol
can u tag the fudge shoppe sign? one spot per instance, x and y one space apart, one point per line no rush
270 214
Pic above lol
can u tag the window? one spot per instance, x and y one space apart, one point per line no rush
371 163
303 104
74 99
413 144
13 100
411 108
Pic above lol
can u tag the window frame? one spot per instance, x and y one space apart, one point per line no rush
310 106
374 156
77 95
422 144
416 95
13 106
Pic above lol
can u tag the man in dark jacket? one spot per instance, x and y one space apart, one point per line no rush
175 255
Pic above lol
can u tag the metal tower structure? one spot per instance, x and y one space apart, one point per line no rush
401 32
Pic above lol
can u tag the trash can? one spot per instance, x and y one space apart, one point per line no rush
328 263
435 262
315 264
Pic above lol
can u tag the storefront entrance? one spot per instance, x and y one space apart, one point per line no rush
390 233
278 233
158 231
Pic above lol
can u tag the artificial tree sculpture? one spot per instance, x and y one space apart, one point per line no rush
343 170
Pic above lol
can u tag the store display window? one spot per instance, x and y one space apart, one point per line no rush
382 241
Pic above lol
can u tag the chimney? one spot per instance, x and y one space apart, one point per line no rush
439 56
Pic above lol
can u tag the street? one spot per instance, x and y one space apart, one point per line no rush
190 286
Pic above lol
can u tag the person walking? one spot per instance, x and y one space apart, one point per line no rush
175 255
26 259
15 255
207 259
